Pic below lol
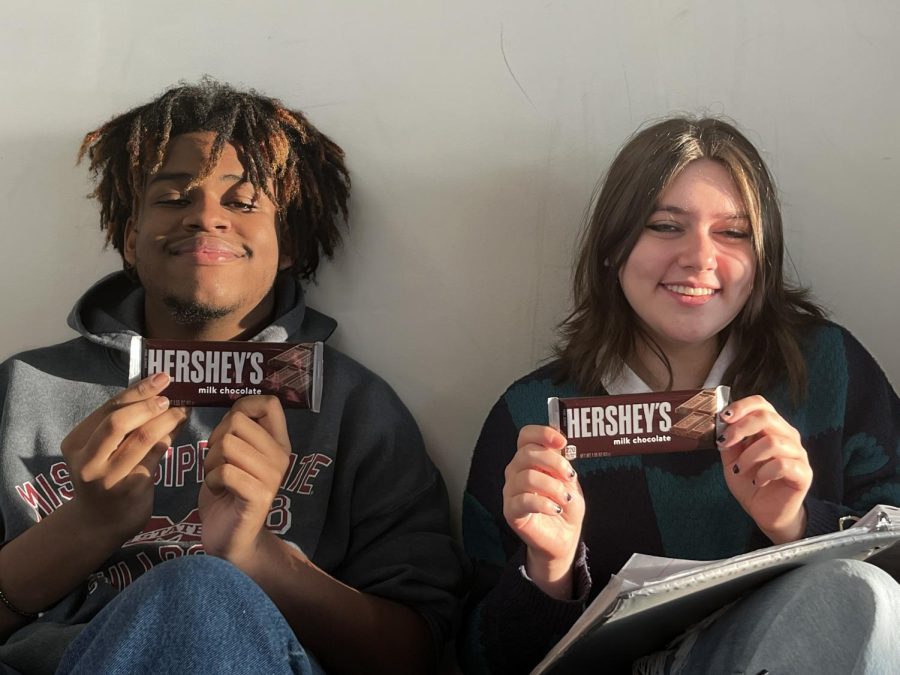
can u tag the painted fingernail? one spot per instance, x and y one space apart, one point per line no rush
572 473
735 469
558 508
159 379
162 402
753 482
568 496
727 412
721 439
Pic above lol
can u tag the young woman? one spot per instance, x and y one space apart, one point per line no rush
679 285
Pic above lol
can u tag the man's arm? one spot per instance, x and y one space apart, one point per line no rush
348 631
44 563
111 455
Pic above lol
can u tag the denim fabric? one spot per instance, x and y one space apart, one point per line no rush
196 614
836 617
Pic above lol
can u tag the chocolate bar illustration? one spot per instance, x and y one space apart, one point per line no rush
293 383
703 402
699 417
293 377
218 373
694 425
299 357
671 421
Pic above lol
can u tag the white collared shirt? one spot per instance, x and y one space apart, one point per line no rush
629 383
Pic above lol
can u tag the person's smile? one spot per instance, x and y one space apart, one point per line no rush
206 250
689 294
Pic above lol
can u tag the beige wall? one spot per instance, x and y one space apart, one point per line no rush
475 131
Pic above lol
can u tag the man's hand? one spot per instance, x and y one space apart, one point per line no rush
248 456
113 453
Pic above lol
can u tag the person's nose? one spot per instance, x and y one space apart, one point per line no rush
207 214
698 251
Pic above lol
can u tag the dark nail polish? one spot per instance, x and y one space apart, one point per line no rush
735 469
727 413
572 473
568 497
721 439
753 482
558 508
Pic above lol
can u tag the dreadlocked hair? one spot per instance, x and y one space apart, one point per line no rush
294 164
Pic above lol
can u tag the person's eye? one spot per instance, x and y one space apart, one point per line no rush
243 205
172 200
664 228
734 233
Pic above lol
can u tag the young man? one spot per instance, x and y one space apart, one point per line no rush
327 530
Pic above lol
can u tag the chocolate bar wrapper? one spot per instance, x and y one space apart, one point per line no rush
219 373
635 424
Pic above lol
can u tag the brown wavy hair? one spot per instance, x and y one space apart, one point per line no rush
601 331
298 167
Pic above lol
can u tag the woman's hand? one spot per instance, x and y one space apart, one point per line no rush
766 467
543 504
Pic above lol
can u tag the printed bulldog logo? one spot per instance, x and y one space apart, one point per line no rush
161 529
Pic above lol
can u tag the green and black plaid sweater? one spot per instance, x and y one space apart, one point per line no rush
674 505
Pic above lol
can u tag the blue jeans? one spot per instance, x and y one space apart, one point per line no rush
838 617
196 614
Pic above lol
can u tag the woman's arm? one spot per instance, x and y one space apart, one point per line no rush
510 622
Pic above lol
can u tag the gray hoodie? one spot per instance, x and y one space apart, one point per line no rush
361 497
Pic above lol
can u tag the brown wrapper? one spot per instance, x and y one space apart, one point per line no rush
219 373
635 424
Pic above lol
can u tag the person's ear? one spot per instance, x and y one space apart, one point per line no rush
129 242
285 261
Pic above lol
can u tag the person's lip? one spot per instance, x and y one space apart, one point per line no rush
206 247
692 290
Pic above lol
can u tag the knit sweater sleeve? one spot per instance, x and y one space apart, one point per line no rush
510 624
869 469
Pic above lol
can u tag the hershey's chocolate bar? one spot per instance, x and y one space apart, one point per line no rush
219 373
632 424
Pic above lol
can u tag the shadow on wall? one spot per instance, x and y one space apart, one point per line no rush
449 287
